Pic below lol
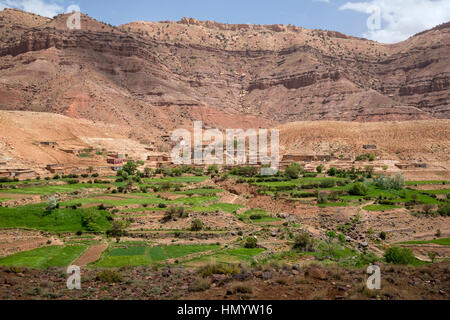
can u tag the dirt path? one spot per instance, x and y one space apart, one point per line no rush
90 255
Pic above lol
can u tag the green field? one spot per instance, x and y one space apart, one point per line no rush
442 242
380 207
59 220
238 255
143 256
48 189
257 216
42 258
200 191
226 207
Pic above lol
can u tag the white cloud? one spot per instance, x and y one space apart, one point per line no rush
40 7
401 19
326 1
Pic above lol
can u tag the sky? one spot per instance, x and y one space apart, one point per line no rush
386 21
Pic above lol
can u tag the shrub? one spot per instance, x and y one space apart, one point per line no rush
428 208
388 183
251 243
320 168
444 210
322 198
366 157
174 212
328 184
332 172
89 220
304 242
52 204
240 288
293 170
213 169
218 268
397 255
358 189
200 285
109 276
117 229
196 225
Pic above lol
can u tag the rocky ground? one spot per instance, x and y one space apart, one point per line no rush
284 283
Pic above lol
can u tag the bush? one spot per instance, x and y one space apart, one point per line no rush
196 225
173 213
109 276
52 204
358 189
320 168
293 170
304 242
388 183
327 184
218 268
200 285
322 198
366 157
397 255
332 172
117 229
213 169
251 243
89 220
444 210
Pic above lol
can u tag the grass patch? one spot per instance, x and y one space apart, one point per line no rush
380 207
59 220
442 242
144 255
42 258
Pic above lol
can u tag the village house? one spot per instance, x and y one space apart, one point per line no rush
115 161
159 158
20 174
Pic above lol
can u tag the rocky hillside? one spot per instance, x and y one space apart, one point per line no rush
158 76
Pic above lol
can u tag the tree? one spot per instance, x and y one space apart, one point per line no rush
213 169
397 255
428 208
52 204
148 172
117 229
303 242
358 189
251 243
130 167
332 172
293 170
320 168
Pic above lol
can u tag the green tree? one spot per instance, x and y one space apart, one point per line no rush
293 170
130 167
397 255
251 243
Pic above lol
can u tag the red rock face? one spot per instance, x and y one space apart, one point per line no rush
159 76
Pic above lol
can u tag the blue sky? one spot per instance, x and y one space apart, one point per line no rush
397 19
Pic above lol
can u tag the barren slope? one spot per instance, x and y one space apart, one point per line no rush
158 76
